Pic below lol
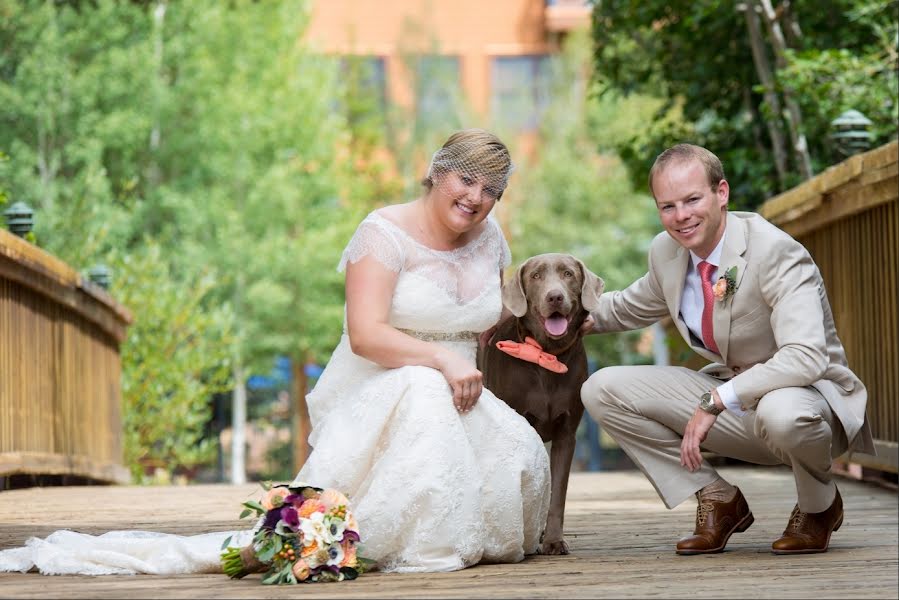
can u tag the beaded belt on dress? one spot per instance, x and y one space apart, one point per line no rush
438 336
442 336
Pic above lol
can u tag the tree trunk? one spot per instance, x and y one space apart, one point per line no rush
301 423
763 69
793 115
791 27
239 428
152 173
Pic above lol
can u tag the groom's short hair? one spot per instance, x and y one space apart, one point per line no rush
685 153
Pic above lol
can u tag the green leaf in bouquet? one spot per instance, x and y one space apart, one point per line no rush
364 565
245 513
271 547
279 576
253 505
349 573
272 578
227 541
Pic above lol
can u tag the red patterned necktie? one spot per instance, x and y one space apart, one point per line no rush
708 337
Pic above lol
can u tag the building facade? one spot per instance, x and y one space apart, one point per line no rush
450 59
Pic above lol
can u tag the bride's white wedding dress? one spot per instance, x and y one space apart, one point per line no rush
432 489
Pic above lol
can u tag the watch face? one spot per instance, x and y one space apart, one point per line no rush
707 404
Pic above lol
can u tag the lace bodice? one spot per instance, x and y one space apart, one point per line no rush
447 291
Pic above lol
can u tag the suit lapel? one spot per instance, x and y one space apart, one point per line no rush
731 256
673 286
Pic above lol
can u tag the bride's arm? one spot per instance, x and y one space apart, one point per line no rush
369 292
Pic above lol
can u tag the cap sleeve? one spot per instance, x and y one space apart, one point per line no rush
372 238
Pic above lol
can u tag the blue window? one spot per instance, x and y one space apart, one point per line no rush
520 90
437 91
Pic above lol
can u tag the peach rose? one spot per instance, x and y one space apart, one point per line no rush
300 570
311 506
333 498
275 498
349 554
720 288
310 549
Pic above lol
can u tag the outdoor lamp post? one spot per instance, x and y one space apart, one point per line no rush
100 274
850 132
19 218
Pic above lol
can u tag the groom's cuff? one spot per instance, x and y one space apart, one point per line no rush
729 398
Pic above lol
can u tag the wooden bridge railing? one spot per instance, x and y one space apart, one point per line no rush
848 218
60 391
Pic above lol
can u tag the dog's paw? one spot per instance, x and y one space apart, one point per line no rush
554 548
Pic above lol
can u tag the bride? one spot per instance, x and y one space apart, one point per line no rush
440 473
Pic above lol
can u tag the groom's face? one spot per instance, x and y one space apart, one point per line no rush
691 210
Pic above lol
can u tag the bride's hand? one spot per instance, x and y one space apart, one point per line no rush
465 380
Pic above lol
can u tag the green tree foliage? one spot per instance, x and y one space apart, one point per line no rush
194 146
696 56
72 117
175 357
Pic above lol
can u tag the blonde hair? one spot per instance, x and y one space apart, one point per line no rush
684 153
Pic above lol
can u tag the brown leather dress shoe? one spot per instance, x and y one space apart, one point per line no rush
715 523
807 533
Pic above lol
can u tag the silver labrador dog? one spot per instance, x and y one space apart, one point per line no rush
549 298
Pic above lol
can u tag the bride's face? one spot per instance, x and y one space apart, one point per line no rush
462 201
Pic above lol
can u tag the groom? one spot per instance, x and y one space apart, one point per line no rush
750 299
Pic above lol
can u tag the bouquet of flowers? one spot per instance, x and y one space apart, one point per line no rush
304 534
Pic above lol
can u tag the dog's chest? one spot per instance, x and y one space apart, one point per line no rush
540 395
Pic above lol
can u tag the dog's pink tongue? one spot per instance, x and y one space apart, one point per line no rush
556 325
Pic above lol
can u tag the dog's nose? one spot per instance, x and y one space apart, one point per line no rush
554 297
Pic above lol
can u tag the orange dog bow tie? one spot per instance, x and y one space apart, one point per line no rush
531 351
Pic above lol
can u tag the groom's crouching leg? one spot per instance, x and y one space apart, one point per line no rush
600 394
641 408
611 399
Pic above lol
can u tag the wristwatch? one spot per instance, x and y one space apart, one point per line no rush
707 403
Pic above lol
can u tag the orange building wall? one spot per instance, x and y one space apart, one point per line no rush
473 30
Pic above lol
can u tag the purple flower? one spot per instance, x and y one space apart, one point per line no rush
271 518
295 500
351 535
290 517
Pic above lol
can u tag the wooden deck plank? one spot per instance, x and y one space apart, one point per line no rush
620 534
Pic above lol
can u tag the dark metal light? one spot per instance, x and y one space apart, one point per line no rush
100 274
850 132
19 218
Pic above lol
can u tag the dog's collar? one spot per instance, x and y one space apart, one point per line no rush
531 351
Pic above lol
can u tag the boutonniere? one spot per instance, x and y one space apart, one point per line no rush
726 285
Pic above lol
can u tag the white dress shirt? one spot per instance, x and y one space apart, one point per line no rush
691 306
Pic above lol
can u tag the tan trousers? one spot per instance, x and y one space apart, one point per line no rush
646 409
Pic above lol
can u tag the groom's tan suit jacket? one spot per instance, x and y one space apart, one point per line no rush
775 331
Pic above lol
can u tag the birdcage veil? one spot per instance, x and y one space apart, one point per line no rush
474 154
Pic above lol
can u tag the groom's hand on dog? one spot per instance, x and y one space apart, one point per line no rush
587 327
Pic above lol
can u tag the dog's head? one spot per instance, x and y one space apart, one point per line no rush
551 294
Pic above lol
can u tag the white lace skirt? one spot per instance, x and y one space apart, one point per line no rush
432 489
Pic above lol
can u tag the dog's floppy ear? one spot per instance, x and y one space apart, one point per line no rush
513 293
591 289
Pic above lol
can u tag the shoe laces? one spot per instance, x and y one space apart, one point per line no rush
797 520
702 511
